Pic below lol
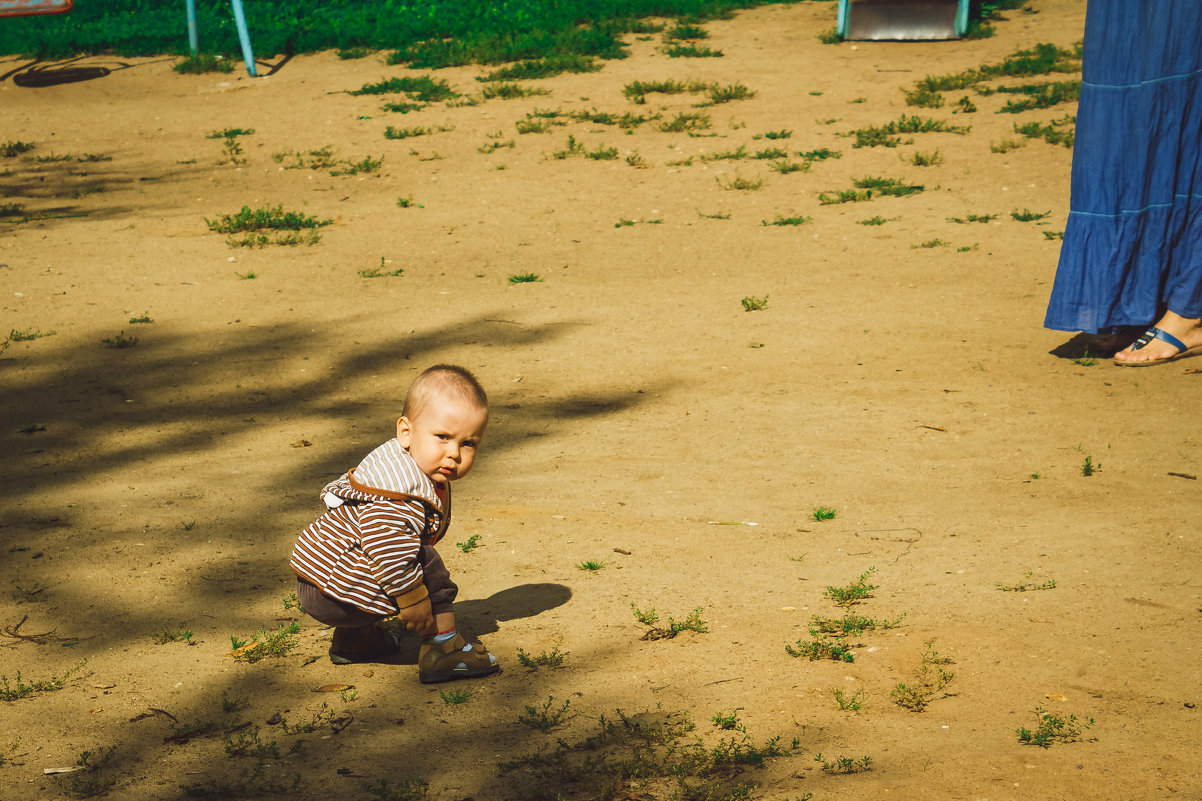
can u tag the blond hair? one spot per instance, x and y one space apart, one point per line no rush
444 380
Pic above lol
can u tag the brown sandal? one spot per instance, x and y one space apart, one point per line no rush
454 659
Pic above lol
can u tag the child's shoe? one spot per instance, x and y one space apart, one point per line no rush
453 659
361 644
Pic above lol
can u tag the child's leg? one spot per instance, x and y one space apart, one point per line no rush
356 636
447 655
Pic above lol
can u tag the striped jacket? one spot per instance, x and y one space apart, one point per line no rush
364 549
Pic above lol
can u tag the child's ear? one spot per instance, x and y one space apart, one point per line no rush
403 432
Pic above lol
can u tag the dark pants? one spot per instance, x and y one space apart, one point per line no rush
333 612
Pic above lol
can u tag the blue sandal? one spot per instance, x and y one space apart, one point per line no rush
1156 333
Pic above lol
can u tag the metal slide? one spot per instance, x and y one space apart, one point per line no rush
902 19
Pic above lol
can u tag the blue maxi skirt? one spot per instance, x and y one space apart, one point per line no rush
1133 243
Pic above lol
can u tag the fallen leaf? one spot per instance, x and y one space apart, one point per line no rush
302 443
334 688
1056 697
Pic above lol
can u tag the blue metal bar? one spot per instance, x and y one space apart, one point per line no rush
247 54
193 40
841 20
962 18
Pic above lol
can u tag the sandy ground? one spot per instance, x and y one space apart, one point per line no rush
636 406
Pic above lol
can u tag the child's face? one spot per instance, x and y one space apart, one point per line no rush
443 437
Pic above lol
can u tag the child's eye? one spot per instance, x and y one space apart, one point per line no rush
471 443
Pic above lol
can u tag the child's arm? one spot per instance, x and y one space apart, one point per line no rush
419 617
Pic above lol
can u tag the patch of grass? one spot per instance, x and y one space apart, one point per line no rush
1056 132
229 133
786 167
784 133
753 303
367 164
820 513
200 63
725 94
887 134
407 202
741 184
263 644
1025 586
402 107
511 91
929 682
29 595
1026 215
924 97
932 243
1053 234
854 593
552 659
320 159
829 36
52 158
725 720
525 278
1006 145
820 648
422 88
545 67
692 51
631 752
848 703
546 718
687 121
919 159
683 31
1089 467
456 695
819 154
637 91
771 153
650 617
869 187
14 147
95 777
28 335
1044 95
144 319
843 766
19 688
167 635
726 155
12 210
381 271
799 220
591 565
1051 728
120 341
472 543
851 625
248 219
973 218
717 215
354 53
878 220
410 788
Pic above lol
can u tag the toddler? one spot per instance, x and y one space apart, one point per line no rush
371 555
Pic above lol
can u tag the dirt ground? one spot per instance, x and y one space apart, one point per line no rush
637 410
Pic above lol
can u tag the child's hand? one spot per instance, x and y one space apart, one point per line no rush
419 618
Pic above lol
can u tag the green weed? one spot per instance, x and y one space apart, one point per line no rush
829 36
470 545
686 121
692 51
1026 215
456 695
799 220
525 278
784 133
1053 234
544 719
725 720
422 88
20 689
887 134
120 341
771 153
856 592
924 97
844 765
380 272
753 303
820 513
878 220
12 209
929 682
590 565
552 659
725 94
683 31
410 788
1053 728
144 319
263 644
248 219
28 335
511 91
1056 132
1024 586
726 155
848 703
94 779
818 649
1088 467
407 202
353 53
851 625
1006 145
14 147
931 243
741 184
546 67
229 133
366 164
1042 95
167 635
973 218
919 159
785 167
